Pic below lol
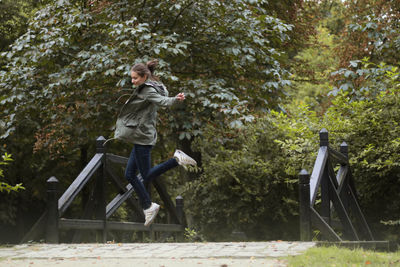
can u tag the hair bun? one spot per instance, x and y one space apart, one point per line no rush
152 64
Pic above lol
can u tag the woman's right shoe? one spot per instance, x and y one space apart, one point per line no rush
184 159
151 213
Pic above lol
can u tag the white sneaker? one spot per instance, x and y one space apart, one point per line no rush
151 213
184 159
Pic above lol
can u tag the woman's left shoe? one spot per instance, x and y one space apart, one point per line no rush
184 159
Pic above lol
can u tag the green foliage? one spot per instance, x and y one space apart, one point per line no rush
364 79
191 235
221 61
312 71
6 158
371 30
245 185
13 21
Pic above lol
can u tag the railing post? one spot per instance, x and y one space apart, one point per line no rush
52 211
325 198
345 196
304 206
180 214
344 149
179 209
323 137
100 188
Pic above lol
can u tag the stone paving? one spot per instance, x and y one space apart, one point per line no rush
152 254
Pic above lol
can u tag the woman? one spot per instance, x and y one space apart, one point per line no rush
137 124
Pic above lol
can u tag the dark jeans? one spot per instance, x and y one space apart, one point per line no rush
140 160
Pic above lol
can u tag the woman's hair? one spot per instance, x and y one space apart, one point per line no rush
146 69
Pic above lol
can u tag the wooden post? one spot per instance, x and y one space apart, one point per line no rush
323 137
344 149
325 198
304 203
52 211
180 214
179 209
100 188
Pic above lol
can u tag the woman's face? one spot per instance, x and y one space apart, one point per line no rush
137 79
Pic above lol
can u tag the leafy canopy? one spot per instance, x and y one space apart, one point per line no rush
65 73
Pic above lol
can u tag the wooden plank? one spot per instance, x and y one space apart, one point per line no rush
117 226
114 204
320 223
362 222
81 224
168 203
115 178
118 200
127 226
341 175
134 226
316 175
77 185
332 174
341 211
325 210
342 159
117 159
87 214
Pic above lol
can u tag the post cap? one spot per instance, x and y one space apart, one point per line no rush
304 177
179 200
52 179
100 144
344 148
323 137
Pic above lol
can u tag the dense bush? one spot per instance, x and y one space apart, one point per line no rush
249 179
244 186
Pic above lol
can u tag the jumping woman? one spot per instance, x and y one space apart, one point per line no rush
136 124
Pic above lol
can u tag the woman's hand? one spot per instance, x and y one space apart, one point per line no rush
180 96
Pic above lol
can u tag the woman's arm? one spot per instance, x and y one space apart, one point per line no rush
153 96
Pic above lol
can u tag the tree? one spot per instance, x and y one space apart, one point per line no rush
220 57
372 30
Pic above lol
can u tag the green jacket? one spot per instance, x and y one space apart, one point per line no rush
137 119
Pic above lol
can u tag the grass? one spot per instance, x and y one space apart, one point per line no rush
343 257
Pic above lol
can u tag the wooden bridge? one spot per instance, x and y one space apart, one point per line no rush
97 212
337 216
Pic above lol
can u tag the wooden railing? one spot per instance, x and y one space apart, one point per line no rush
52 220
337 195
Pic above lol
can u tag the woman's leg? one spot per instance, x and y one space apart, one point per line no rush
130 174
143 162
158 170
143 159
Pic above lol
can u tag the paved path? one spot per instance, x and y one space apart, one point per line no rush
241 254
